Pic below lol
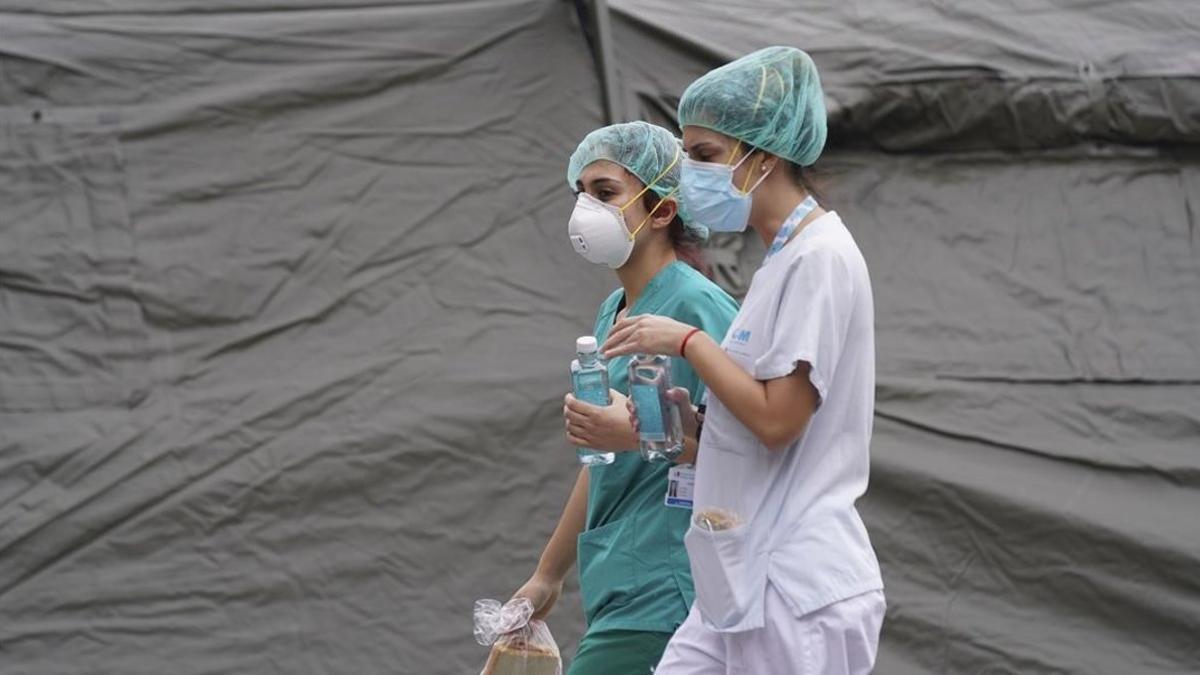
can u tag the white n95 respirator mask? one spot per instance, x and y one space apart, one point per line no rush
598 232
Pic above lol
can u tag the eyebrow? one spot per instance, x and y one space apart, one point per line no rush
702 145
597 182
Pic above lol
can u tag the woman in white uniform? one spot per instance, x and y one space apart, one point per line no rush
786 579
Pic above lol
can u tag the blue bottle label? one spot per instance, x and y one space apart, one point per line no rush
649 413
591 388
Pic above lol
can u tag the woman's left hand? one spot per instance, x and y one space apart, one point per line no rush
645 334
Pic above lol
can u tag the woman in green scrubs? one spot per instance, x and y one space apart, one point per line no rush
633 568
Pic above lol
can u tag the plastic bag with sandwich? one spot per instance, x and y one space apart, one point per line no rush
521 645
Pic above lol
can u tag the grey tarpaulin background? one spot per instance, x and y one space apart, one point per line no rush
285 306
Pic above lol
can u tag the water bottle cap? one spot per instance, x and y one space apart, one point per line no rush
587 345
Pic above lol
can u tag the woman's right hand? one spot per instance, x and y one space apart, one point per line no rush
542 592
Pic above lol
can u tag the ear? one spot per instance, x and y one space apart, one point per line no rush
769 163
664 214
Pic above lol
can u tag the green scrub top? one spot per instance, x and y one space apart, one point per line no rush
633 567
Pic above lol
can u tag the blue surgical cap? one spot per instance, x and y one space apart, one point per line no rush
650 152
770 99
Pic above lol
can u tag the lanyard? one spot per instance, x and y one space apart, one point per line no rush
789 226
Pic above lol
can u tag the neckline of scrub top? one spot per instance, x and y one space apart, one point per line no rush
804 233
655 282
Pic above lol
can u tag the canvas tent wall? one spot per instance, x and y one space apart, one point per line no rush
285 304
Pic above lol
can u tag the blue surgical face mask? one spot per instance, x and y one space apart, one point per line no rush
708 191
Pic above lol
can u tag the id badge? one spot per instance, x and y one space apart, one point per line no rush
681 482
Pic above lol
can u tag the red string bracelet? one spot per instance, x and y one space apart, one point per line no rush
683 347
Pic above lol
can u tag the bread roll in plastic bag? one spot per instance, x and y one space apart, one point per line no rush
521 645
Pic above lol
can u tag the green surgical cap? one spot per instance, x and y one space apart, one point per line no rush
770 99
649 152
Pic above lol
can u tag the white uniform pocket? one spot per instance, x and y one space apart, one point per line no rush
723 573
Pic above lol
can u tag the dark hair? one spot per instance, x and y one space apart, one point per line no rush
812 180
689 247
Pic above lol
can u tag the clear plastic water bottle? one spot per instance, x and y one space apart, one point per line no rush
589 381
660 428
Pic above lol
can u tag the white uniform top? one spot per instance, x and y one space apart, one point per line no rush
809 302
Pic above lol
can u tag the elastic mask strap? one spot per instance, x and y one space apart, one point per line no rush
633 235
654 182
762 89
733 155
757 183
749 175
